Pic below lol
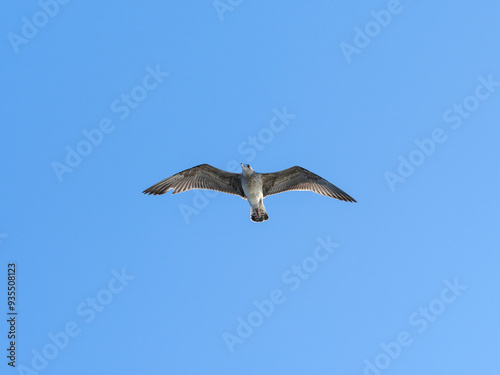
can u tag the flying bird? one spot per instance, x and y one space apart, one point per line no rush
248 185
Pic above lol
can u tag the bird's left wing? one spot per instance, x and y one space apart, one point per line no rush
298 178
204 177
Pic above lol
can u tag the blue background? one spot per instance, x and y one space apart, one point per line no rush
194 277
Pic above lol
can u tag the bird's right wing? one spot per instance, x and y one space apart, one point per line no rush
204 177
298 178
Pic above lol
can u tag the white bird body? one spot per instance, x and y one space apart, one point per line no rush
251 183
248 185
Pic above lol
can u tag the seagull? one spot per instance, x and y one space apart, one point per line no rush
248 185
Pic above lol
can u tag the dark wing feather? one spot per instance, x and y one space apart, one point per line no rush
204 177
298 178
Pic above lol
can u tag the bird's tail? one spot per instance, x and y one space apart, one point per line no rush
259 213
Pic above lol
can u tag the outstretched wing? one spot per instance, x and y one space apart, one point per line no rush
298 178
203 176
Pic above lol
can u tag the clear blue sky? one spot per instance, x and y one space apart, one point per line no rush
397 103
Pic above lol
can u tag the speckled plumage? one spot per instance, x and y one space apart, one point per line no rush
249 185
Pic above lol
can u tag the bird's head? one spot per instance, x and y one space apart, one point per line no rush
246 168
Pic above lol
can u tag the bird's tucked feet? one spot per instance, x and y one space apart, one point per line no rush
259 215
